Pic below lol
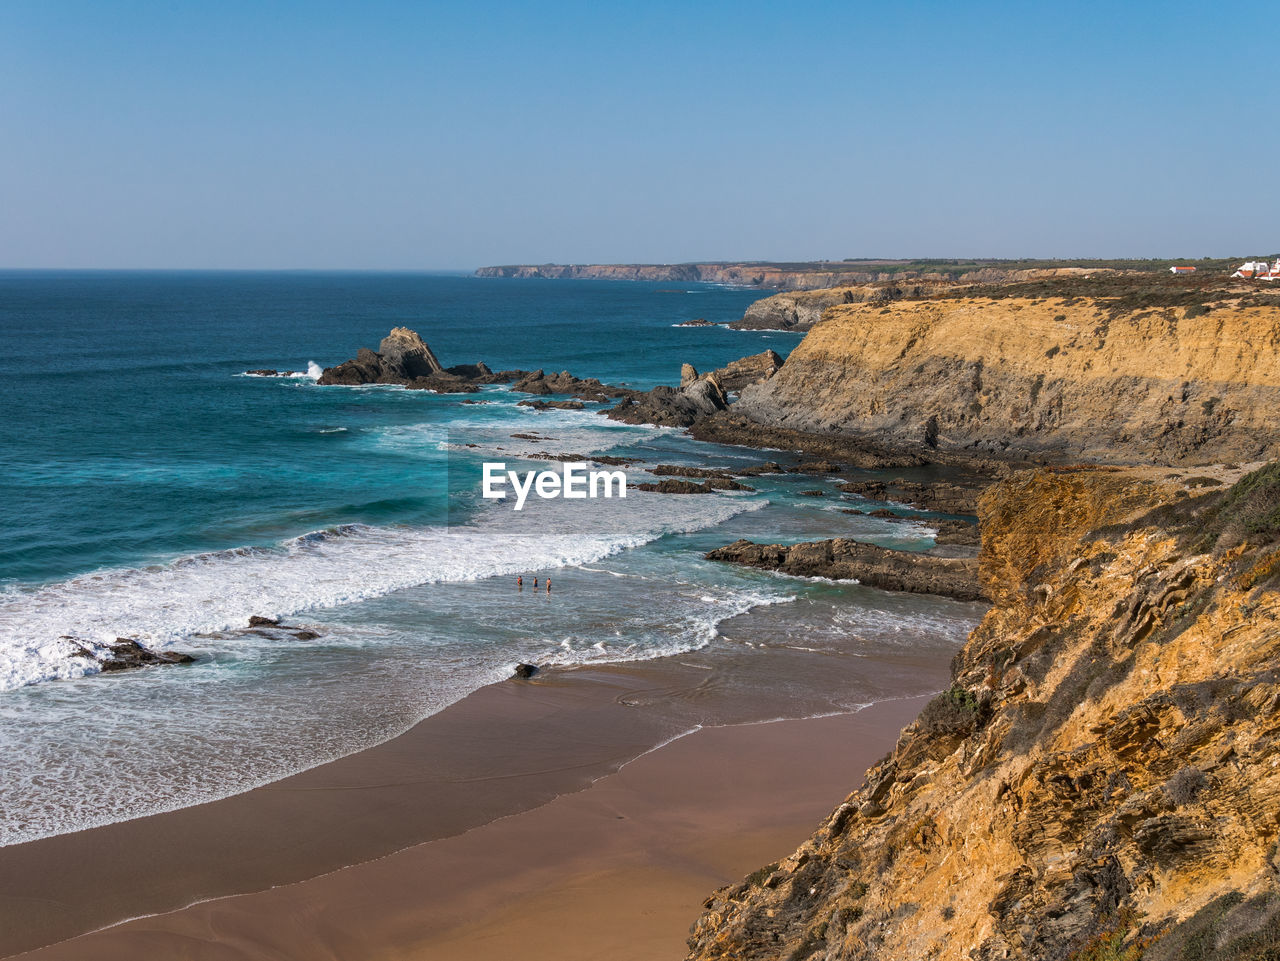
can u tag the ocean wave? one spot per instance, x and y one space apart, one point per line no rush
161 605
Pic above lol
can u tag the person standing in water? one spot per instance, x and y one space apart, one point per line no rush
519 582
535 583
548 585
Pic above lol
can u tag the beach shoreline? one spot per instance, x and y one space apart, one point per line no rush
618 869
507 763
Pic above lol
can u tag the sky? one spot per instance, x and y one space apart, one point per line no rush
387 135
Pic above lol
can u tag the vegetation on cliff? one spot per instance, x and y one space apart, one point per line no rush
1100 781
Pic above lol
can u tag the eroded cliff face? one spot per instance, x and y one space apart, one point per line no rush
1075 377
1103 778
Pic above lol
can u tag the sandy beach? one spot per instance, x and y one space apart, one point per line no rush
540 845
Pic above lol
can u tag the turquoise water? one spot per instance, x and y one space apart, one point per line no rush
151 490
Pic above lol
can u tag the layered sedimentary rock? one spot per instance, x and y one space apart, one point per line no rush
737 374
800 310
844 559
1101 779
1068 377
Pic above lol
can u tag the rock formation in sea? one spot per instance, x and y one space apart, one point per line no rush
126 654
404 358
1100 779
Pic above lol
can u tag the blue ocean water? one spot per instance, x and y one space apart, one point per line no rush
150 489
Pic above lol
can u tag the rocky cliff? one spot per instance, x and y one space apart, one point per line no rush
800 310
745 275
1080 377
799 276
1101 781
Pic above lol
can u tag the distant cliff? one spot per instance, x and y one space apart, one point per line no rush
744 275
799 310
1079 377
800 276
1100 782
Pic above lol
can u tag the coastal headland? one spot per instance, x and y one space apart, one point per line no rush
1097 774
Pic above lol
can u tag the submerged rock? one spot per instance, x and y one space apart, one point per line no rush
525 670
552 404
127 653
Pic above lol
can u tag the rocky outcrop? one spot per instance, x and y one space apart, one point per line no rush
844 559
405 352
670 406
404 358
539 382
126 654
1070 378
1100 780
864 453
746 371
945 497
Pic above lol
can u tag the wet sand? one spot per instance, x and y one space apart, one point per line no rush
618 870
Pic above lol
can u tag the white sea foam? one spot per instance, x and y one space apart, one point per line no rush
204 593
314 370
692 627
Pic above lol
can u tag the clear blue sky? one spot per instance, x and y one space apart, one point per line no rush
421 135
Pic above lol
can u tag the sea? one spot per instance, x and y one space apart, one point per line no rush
151 489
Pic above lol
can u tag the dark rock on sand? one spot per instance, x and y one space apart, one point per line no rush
525 670
844 559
